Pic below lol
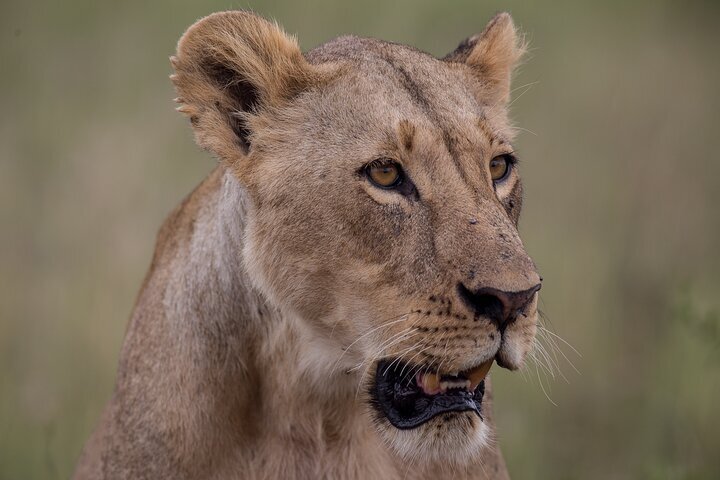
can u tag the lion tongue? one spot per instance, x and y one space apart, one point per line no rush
432 383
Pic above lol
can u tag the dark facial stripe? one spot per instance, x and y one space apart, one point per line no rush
413 89
482 125
419 98
417 95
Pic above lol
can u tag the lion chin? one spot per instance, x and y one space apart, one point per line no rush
424 415
448 440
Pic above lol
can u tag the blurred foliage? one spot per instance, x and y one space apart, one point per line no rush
620 109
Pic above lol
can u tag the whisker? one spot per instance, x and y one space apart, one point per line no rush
537 362
515 127
400 356
554 349
443 357
380 350
360 382
561 339
542 387
392 321
529 86
543 350
560 350
410 361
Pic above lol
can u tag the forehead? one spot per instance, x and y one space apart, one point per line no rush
382 85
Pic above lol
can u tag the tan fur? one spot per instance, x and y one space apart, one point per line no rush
282 279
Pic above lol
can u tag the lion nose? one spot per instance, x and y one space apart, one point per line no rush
500 306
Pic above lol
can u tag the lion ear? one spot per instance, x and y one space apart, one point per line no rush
492 55
230 66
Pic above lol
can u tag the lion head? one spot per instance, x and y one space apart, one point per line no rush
384 197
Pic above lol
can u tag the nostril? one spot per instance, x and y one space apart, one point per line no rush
499 306
483 302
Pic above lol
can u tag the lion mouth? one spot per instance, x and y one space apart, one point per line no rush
409 399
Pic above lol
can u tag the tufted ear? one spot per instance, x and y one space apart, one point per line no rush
492 55
229 67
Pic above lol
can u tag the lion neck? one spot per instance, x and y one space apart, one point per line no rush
267 376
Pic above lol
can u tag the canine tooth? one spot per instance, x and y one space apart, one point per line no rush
478 374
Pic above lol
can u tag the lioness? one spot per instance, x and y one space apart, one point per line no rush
328 302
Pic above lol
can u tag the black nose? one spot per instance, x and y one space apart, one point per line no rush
499 306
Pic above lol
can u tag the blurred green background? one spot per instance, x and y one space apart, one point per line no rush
621 109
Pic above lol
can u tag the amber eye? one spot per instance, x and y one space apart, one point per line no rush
500 168
384 174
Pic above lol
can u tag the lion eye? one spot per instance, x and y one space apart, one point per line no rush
500 168
384 174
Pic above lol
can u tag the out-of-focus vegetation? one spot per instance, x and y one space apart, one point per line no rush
621 109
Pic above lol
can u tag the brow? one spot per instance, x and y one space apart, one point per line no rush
493 137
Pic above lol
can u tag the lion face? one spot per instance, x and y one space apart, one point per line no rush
385 197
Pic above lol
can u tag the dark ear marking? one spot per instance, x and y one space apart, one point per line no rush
231 67
462 52
491 56
241 97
